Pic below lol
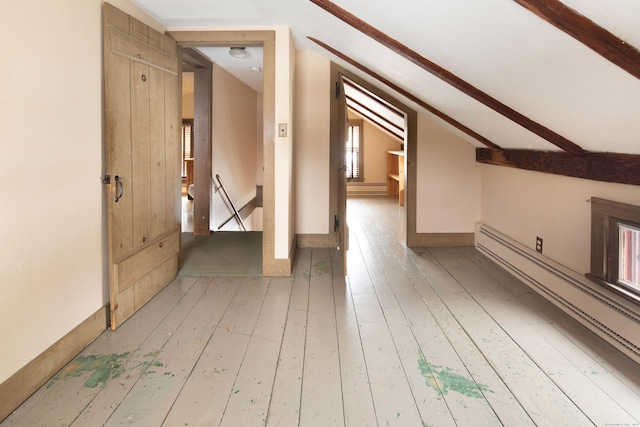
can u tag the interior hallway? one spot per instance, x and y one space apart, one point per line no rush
412 337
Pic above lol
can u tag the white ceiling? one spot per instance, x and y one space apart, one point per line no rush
247 69
496 45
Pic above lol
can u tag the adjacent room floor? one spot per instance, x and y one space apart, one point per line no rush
221 253
411 337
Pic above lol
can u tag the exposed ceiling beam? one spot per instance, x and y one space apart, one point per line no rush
375 118
606 167
409 96
357 105
587 32
372 97
450 78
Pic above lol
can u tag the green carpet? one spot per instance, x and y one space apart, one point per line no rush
223 253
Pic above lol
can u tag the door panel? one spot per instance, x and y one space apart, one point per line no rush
140 162
143 150
339 135
119 155
157 154
173 159
343 126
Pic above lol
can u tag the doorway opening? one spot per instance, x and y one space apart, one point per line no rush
393 171
236 143
223 187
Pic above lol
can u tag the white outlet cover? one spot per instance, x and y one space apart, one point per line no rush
282 129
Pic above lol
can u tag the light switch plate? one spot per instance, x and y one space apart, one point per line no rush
282 129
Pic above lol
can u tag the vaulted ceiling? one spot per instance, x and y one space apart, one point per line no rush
519 74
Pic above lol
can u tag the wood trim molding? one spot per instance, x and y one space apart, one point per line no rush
314 241
267 39
202 150
605 167
283 266
605 217
334 155
269 261
442 239
411 148
195 38
192 59
450 78
587 32
408 95
36 373
411 175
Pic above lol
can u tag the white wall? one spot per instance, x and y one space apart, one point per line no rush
312 143
187 95
233 145
448 189
53 248
524 205
260 140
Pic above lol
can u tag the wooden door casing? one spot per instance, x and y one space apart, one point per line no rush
340 134
142 103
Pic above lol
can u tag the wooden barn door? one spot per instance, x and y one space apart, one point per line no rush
142 101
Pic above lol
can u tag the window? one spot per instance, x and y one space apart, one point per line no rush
354 151
187 144
615 246
629 256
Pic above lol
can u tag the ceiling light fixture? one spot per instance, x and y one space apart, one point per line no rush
238 52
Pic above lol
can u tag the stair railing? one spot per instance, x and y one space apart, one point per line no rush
235 211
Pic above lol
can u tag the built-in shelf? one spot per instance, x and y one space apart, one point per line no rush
395 175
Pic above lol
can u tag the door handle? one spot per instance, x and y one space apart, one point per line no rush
119 188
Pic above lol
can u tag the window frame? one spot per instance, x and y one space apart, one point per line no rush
606 215
357 123
183 168
632 287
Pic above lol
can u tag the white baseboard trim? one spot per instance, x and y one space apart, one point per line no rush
613 318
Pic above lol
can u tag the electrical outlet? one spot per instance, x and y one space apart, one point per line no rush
539 244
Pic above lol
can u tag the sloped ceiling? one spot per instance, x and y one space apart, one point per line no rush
497 46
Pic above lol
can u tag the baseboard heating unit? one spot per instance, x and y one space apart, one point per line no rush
610 316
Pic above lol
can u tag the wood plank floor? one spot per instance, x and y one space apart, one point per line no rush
411 337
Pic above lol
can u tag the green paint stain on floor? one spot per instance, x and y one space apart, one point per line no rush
442 380
101 368
318 269
321 267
